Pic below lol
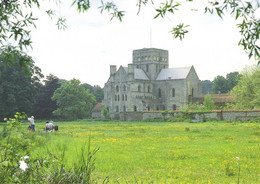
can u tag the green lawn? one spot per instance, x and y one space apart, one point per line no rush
162 152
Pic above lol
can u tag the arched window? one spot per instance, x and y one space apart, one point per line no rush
147 68
124 88
173 92
174 107
117 109
135 108
123 97
159 92
148 108
148 89
124 109
118 97
139 88
117 88
115 97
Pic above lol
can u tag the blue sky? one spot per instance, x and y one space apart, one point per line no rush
92 42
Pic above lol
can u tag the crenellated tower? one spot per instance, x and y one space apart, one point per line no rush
151 60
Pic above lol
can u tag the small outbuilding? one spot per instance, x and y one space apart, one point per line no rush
96 112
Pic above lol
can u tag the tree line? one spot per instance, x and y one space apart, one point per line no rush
220 84
244 87
21 90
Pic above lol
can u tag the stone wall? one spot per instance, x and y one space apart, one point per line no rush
131 116
229 115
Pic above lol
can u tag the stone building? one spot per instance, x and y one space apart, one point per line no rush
148 84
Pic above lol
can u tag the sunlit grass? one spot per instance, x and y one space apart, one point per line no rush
162 152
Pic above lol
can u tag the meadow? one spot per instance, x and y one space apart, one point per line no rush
161 152
156 152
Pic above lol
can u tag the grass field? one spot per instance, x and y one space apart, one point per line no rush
162 152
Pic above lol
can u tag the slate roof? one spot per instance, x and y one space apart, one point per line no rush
126 69
174 73
139 74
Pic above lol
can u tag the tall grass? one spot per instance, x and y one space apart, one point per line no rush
161 151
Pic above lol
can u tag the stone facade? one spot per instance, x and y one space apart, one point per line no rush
149 84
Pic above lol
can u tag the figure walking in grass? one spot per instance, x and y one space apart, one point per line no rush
32 124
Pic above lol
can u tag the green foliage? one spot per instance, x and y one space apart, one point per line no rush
73 100
44 105
97 91
193 107
16 148
18 88
246 93
169 7
220 85
225 84
232 79
181 118
111 8
206 87
179 31
208 103
105 111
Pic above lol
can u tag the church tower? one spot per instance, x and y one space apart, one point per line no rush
151 61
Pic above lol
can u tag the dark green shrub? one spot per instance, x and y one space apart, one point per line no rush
181 118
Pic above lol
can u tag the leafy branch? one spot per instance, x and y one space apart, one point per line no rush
111 7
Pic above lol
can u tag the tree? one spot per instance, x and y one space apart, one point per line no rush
246 93
17 18
44 105
206 86
208 103
97 91
220 85
224 85
232 80
105 111
73 100
18 88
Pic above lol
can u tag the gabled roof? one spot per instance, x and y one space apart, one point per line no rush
139 74
126 69
174 73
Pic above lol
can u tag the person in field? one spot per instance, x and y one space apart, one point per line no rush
49 126
32 123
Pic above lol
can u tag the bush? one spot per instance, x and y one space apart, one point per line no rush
181 118
193 107
15 147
